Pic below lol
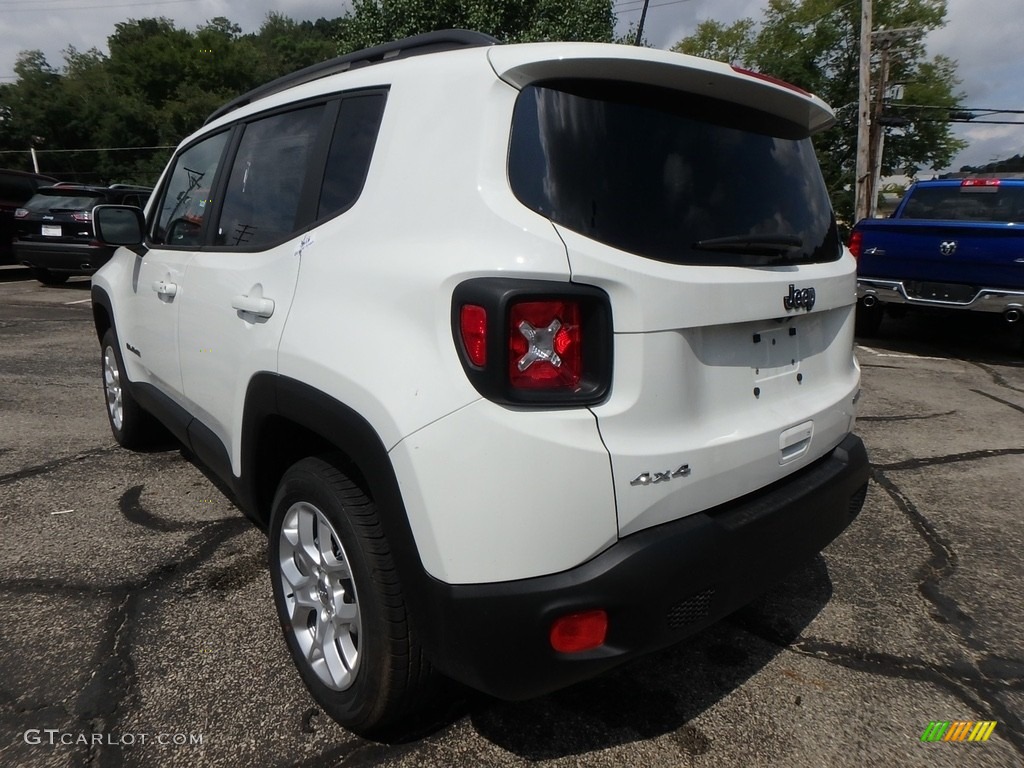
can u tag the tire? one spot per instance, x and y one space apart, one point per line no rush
340 604
131 426
868 319
46 277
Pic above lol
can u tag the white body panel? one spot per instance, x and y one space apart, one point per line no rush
222 348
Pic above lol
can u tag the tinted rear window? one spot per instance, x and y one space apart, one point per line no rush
994 203
48 202
655 172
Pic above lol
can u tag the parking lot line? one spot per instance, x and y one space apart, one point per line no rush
80 301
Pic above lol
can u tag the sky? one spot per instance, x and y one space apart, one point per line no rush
983 36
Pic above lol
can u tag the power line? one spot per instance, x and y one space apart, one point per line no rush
93 149
75 7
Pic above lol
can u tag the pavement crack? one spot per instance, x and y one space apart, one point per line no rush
1018 408
996 376
49 466
917 417
954 458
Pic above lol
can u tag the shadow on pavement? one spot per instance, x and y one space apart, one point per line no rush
660 694
971 336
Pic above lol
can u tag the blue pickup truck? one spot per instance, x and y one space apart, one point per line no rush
954 244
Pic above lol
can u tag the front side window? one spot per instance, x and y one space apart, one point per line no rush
187 196
669 175
267 179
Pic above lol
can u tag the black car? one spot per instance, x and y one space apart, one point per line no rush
54 229
16 187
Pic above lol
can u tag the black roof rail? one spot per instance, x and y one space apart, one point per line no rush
417 45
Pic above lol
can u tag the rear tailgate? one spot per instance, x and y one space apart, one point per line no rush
689 192
718 389
979 254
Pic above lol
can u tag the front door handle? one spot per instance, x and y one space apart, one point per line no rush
167 290
255 305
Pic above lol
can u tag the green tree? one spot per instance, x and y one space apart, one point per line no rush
815 44
373 22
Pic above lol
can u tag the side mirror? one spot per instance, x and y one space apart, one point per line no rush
120 225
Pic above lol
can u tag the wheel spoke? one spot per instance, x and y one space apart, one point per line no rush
307 534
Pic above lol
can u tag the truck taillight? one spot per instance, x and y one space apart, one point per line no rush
856 240
979 183
545 345
534 342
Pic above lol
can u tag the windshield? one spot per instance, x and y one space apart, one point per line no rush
670 176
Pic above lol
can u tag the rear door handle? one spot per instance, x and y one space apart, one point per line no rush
168 290
255 305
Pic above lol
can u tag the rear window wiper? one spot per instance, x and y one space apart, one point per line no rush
754 244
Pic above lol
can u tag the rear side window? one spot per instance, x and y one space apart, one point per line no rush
351 149
669 175
267 179
966 203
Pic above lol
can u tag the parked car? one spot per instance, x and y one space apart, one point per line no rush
951 245
524 377
16 187
54 229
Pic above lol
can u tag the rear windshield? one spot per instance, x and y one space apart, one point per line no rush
970 203
49 202
670 176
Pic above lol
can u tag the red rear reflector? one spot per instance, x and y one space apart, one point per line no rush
545 345
579 631
979 183
473 325
770 79
856 238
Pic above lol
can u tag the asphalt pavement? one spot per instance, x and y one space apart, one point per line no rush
138 625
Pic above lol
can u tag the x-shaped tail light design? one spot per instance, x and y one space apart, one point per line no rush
542 344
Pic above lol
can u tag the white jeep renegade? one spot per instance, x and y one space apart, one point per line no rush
530 358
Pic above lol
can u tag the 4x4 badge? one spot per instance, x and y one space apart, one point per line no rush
650 478
798 299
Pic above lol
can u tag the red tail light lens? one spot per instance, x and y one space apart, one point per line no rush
473 326
545 345
579 631
82 216
979 183
856 239
21 213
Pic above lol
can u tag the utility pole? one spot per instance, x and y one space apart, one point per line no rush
861 188
877 135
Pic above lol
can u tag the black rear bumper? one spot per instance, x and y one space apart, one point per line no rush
75 258
657 586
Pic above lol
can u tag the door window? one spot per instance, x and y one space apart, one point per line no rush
267 179
187 197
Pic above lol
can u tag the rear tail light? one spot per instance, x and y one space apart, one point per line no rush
856 241
473 327
545 345
82 216
21 213
533 341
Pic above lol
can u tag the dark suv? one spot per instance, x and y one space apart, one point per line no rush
54 229
16 187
